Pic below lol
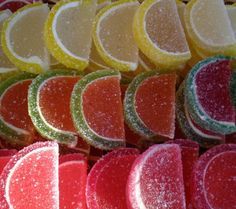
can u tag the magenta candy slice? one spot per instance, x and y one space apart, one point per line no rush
156 179
72 181
30 179
190 154
214 184
107 180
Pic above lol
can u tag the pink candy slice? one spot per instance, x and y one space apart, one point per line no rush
156 179
107 180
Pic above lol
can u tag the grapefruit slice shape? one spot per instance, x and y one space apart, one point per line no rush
214 182
208 94
107 180
97 109
30 179
191 131
49 105
156 179
150 105
14 5
72 181
190 153
15 124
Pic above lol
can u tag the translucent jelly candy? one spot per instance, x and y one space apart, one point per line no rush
156 179
97 109
49 105
15 124
208 98
213 179
30 179
149 105
5 156
107 180
72 181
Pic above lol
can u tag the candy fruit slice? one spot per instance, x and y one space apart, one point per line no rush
15 124
149 104
49 105
113 37
14 5
209 27
207 92
68 32
159 35
30 179
5 156
156 179
72 181
107 179
22 39
96 108
214 183
189 153
190 129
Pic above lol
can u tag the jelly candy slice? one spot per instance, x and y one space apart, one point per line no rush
190 153
214 182
97 109
156 179
190 131
208 95
49 105
5 156
15 124
149 105
107 179
30 179
72 181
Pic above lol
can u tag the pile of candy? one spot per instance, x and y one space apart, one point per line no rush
115 105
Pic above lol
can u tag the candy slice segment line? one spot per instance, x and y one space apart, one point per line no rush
19 162
57 39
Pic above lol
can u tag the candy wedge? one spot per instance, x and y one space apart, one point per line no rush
15 124
96 109
149 105
49 105
208 98
22 39
213 182
107 179
209 27
159 35
72 181
30 179
156 179
113 37
68 31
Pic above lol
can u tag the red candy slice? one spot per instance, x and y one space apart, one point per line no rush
5 156
107 180
72 181
156 179
30 179
214 183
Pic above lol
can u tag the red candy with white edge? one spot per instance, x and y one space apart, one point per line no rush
156 179
107 180
14 5
30 179
190 154
214 184
5 156
72 181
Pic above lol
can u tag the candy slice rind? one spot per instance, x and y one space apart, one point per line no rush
78 117
43 127
9 132
196 110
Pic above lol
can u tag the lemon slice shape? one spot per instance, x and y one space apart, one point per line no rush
68 30
113 36
159 33
209 27
22 38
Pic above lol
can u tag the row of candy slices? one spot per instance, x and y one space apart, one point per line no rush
164 176
62 105
67 32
